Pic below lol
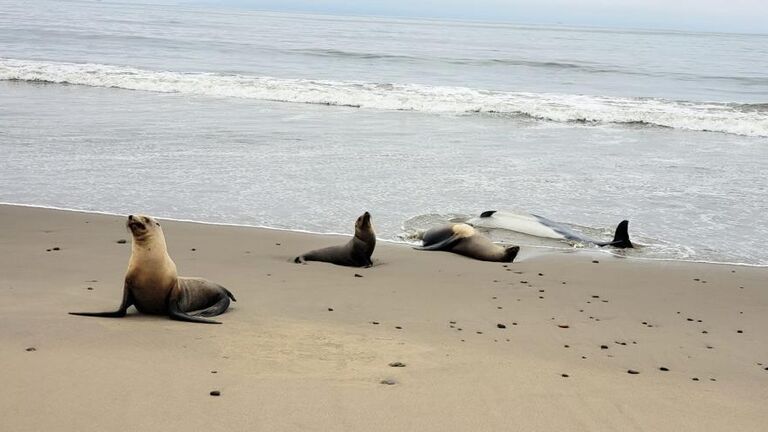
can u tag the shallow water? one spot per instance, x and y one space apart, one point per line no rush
304 122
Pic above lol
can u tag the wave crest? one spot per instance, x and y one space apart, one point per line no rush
740 119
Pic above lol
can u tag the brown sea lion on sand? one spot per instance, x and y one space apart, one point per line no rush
464 240
356 253
154 287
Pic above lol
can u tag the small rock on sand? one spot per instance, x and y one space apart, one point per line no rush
632 372
122 241
388 381
358 275
56 248
30 349
564 326
664 369
215 393
397 364
501 326
564 375
330 309
595 262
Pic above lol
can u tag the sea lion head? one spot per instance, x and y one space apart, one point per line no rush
143 227
363 226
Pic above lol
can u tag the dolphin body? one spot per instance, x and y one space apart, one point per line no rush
539 226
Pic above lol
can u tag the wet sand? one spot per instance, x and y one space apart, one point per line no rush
423 341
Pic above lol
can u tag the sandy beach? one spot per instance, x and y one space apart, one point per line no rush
545 343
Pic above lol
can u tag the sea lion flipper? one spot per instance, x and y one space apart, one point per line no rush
217 308
442 244
119 313
176 314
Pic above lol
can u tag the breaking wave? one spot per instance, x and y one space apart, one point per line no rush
739 119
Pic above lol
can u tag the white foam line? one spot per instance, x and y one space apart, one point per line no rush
562 108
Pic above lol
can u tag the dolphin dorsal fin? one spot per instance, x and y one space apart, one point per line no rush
487 213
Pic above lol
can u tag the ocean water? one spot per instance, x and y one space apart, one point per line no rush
305 121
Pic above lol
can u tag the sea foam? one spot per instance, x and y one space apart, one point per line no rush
739 119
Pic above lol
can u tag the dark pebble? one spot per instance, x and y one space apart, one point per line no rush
564 375
694 379
30 349
689 319
499 307
277 244
704 332
523 281
56 248
541 274
122 241
479 332
603 346
47 250
215 393
358 275
501 326
375 322
595 296
632 372
564 326
566 346
213 371
397 364
388 381
563 283
398 327
595 262
452 322
193 249
712 379
696 279
330 309
739 331
90 288
664 369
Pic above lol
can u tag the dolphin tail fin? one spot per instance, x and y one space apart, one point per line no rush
621 237
487 213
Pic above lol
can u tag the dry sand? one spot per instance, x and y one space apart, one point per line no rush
284 361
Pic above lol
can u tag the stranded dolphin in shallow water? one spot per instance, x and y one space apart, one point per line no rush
464 240
154 287
542 227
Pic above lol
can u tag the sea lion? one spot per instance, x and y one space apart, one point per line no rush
540 226
154 287
356 253
464 240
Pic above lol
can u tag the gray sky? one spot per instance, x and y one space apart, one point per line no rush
748 16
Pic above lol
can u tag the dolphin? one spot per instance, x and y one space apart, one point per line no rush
540 226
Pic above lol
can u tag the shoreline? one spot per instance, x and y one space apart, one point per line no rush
543 249
486 346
